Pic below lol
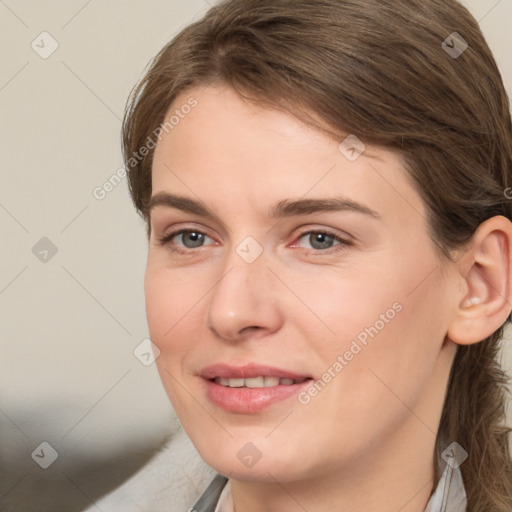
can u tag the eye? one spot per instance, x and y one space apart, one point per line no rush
322 241
186 238
184 241
191 239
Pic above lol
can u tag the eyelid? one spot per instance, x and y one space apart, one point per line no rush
344 240
168 235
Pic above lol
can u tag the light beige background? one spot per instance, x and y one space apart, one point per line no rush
68 375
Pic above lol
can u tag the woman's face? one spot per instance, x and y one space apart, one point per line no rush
289 256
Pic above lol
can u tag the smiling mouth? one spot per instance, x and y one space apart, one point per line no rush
251 388
257 382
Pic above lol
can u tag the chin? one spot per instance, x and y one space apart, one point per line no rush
237 464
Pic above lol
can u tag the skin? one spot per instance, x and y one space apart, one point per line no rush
365 442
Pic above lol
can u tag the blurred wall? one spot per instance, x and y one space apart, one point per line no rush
71 297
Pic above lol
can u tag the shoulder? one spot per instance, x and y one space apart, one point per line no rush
173 479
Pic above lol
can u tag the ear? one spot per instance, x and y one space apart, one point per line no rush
485 267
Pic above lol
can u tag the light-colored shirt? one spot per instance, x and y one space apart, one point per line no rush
449 495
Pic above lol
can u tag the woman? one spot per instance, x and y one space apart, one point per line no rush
324 184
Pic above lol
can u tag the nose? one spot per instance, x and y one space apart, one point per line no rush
244 302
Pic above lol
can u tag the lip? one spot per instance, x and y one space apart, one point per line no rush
249 400
247 371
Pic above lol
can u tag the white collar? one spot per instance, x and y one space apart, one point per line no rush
450 495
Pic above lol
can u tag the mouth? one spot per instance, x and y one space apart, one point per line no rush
258 382
250 388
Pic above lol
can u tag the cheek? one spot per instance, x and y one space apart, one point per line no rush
171 301
388 330
169 309
398 362
160 305
344 305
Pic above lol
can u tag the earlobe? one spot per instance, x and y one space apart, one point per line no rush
486 268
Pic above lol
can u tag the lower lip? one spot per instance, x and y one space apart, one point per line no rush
250 400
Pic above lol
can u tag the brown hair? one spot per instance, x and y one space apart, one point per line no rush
376 69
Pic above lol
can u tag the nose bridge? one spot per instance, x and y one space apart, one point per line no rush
245 266
240 298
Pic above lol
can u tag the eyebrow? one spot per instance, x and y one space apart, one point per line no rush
281 209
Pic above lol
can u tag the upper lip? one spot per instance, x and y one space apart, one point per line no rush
247 371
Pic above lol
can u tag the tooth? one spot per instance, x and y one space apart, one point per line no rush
257 382
235 383
271 381
254 382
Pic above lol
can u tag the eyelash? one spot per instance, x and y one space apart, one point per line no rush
342 245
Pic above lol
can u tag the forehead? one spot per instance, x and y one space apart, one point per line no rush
230 146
